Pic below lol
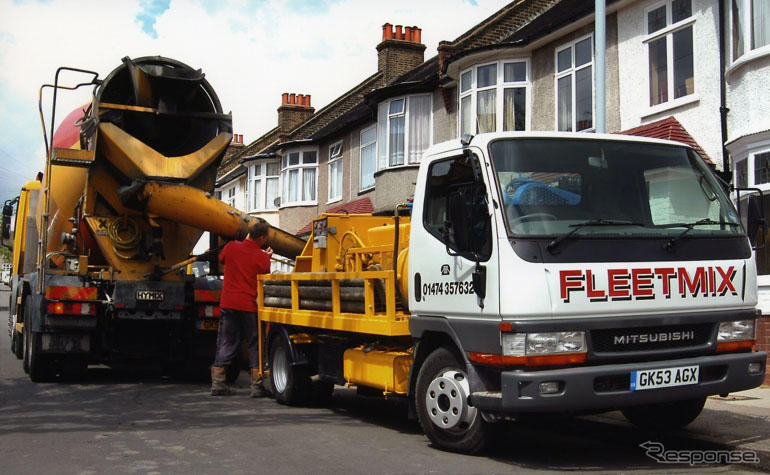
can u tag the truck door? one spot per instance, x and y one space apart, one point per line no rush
451 242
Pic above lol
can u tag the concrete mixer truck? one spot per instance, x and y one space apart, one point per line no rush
103 238
536 273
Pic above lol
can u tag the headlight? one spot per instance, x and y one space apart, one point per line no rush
527 344
735 331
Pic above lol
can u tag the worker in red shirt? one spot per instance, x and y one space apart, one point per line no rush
244 261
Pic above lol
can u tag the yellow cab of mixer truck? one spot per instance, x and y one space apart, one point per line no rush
536 273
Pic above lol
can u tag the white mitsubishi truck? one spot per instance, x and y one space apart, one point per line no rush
575 273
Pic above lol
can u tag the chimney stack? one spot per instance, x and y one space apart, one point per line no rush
399 51
294 110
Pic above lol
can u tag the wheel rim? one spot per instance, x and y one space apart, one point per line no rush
280 369
446 401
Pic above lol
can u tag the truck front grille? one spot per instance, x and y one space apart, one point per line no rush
623 340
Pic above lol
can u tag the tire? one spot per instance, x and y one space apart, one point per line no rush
25 335
40 366
290 384
17 344
665 416
17 340
442 405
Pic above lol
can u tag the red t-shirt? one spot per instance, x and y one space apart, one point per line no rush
244 261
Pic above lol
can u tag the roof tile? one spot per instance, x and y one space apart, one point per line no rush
668 129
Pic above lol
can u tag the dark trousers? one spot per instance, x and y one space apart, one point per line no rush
234 326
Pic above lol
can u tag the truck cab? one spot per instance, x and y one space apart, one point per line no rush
555 272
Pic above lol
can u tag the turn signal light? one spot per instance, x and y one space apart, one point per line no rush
71 308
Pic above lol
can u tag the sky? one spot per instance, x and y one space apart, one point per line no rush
251 51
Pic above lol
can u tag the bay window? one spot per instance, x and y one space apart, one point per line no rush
368 157
403 130
750 21
575 85
335 172
493 97
263 185
752 170
298 176
670 50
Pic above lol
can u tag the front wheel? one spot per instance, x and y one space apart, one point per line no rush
665 416
445 414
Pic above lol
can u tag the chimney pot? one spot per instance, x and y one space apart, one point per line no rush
399 32
307 100
292 98
240 138
285 98
408 34
416 34
387 31
300 99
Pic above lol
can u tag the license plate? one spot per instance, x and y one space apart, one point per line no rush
208 324
664 378
150 295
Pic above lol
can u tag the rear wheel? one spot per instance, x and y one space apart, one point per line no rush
445 415
665 416
17 339
290 384
40 366
25 335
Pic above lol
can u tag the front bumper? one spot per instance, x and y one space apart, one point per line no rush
592 388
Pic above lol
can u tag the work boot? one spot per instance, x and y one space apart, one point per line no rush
219 385
256 384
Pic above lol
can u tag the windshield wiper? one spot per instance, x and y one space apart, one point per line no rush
591 222
669 246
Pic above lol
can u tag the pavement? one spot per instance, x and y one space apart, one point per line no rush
738 422
749 427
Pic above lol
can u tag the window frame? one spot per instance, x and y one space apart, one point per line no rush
335 161
748 154
361 146
668 32
228 194
499 86
262 177
571 72
286 168
383 146
749 53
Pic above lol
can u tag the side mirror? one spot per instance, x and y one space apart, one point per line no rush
756 224
751 212
6 222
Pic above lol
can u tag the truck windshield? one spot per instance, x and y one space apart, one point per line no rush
562 187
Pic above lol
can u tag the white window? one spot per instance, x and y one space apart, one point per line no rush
263 185
752 170
335 172
228 195
575 85
403 130
493 97
670 50
298 176
750 26
368 157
